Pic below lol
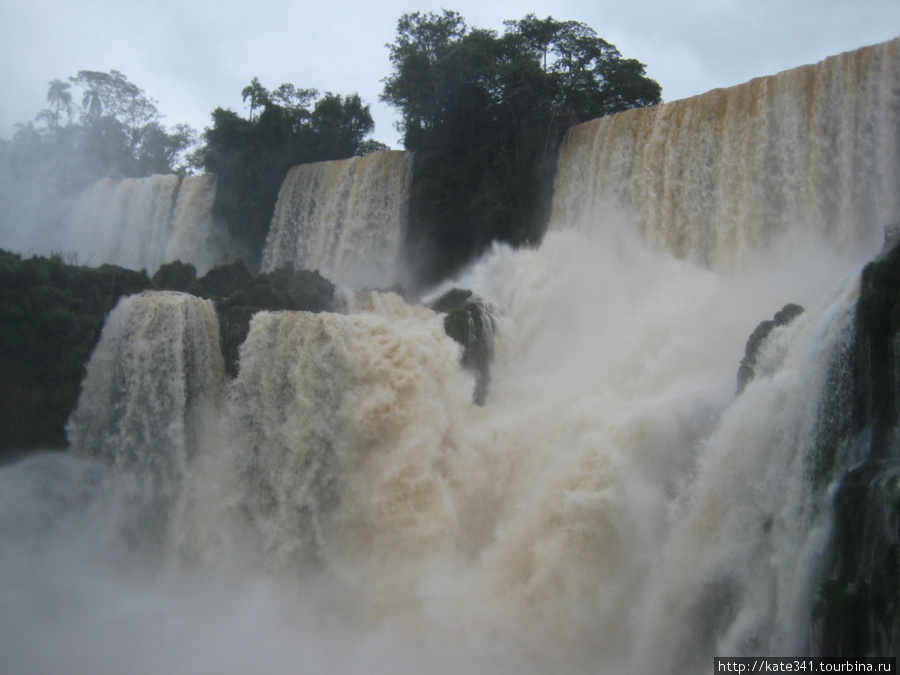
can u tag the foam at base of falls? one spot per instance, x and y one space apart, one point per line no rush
354 509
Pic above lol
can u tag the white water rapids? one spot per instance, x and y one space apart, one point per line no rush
345 508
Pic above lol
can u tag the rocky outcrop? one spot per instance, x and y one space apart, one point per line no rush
51 315
238 296
469 322
858 606
747 370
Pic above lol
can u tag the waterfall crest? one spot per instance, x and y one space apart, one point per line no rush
723 177
345 218
141 223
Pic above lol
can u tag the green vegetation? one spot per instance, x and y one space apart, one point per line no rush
115 132
51 315
95 125
485 114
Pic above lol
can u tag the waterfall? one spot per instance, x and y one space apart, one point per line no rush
194 237
615 506
141 223
343 419
756 168
344 218
152 385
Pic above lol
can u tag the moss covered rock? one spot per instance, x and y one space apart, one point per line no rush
468 322
282 289
222 281
857 612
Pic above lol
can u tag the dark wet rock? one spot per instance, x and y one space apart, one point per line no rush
469 322
747 370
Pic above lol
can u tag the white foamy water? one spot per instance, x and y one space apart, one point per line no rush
613 507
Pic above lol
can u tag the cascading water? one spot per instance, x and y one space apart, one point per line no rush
344 218
344 417
613 507
152 386
142 223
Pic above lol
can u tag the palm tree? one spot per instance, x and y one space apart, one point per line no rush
256 93
26 133
59 98
91 102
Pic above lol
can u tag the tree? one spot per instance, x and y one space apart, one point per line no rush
60 99
121 132
161 151
118 133
294 101
423 41
251 156
92 103
485 114
256 93
338 126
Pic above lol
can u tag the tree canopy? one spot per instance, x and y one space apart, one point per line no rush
116 131
485 114
285 126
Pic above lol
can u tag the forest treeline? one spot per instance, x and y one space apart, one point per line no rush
483 112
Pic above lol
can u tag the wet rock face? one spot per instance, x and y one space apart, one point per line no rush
747 370
468 322
857 609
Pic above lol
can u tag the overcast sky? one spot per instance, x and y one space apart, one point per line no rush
192 56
